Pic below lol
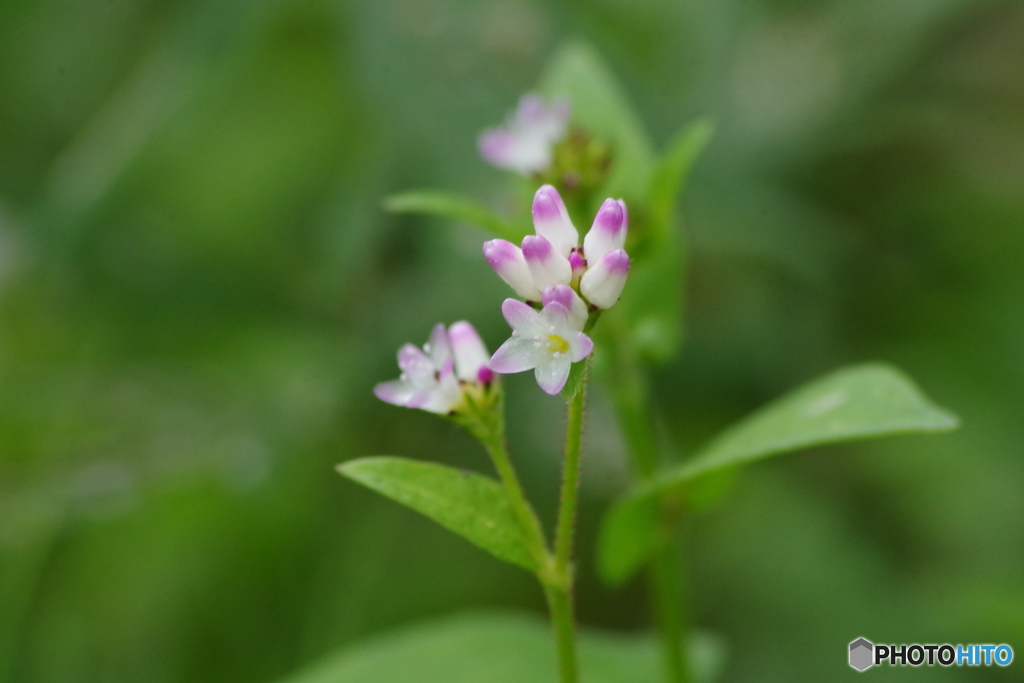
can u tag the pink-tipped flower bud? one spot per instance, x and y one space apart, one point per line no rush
508 262
551 220
576 262
608 232
547 266
565 295
603 282
469 351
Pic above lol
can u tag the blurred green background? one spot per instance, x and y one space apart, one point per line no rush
198 290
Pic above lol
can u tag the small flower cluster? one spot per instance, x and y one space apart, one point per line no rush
553 256
451 366
524 144
552 269
564 284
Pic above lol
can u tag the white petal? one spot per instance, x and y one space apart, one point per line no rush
521 318
446 395
555 318
580 346
396 392
438 347
415 364
469 351
516 355
552 374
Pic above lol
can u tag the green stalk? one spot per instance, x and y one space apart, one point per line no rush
533 533
488 425
489 428
570 479
560 591
560 605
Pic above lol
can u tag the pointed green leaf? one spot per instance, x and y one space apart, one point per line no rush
503 648
672 171
853 403
457 208
600 106
652 303
633 529
651 308
858 402
471 505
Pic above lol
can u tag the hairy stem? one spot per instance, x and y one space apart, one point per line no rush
494 441
560 590
533 533
560 605
570 479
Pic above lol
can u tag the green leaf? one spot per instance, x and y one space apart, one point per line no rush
501 648
652 304
651 308
630 533
853 403
457 208
600 106
672 171
471 505
858 402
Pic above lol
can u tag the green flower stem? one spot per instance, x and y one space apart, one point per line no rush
559 587
560 605
486 421
493 439
570 478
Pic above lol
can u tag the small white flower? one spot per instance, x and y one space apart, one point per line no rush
543 341
524 144
435 378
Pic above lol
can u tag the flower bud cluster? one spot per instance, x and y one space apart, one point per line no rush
569 282
553 256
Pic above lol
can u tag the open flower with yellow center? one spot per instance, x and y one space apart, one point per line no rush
546 341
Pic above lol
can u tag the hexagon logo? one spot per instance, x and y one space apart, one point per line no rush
861 654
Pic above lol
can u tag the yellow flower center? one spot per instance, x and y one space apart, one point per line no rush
557 345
